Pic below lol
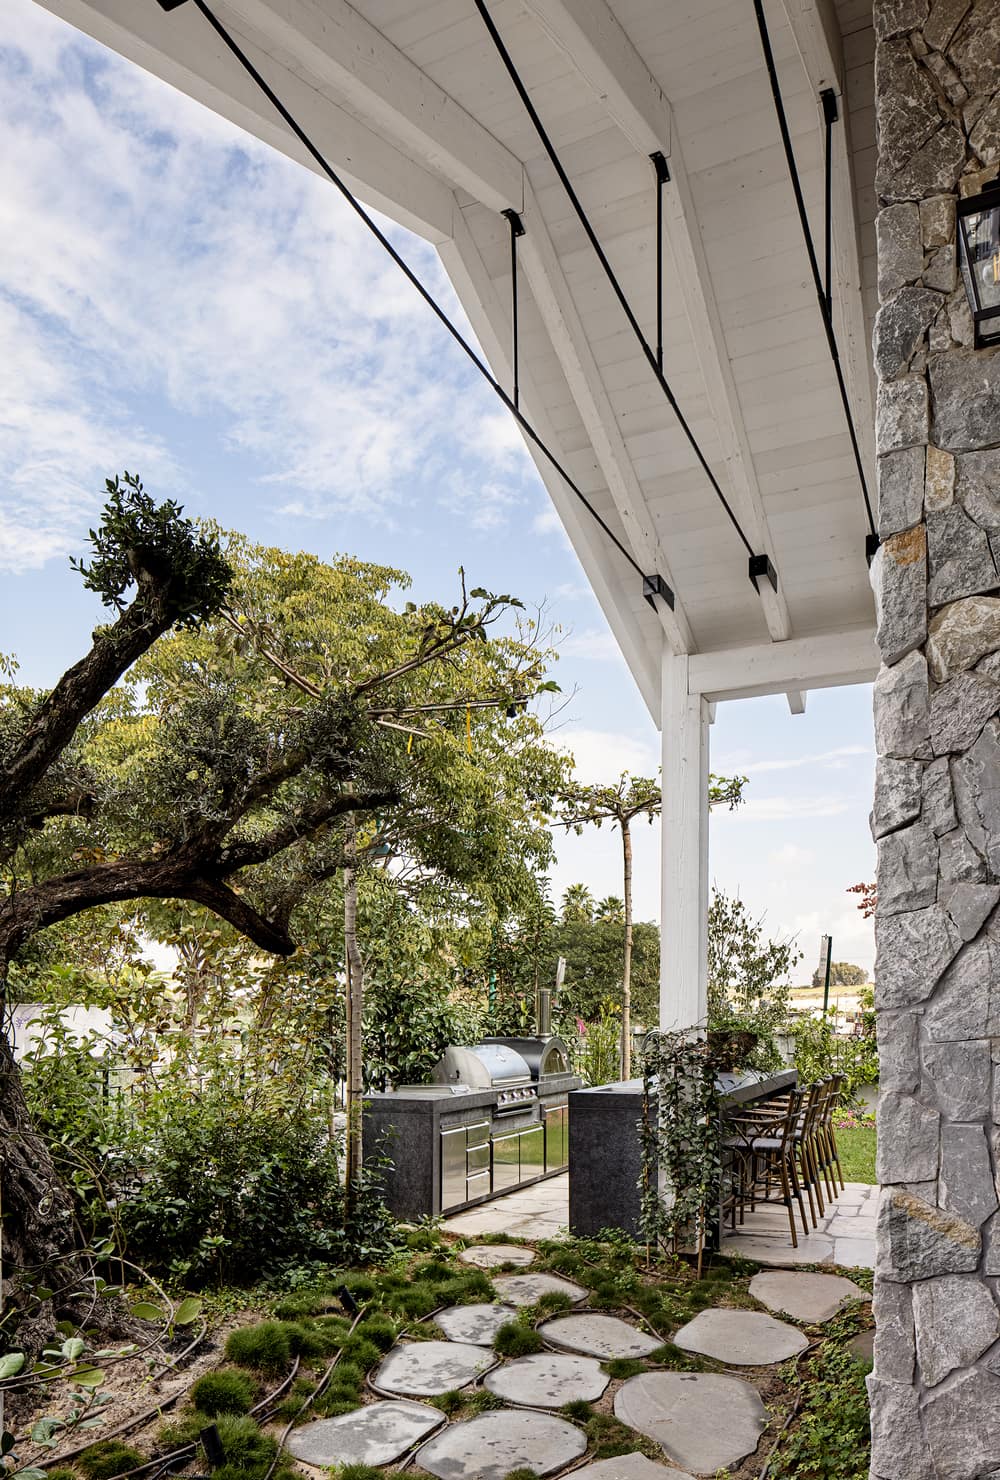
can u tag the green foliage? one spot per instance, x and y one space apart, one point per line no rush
515 1339
223 1392
820 1051
599 1059
577 1410
109 1457
264 1347
136 537
856 1148
449 1402
359 1472
523 1473
622 1367
379 1330
747 978
842 974
249 1452
831 1438
679 1132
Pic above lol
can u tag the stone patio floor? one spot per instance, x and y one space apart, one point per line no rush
845 1236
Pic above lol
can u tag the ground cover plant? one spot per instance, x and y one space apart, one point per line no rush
334 1332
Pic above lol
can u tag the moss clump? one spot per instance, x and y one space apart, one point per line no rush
611 1438
379 1330
264 1348
482 1400
62 1474
360 1350
107 1458
522 1474
182 1431
228 1391
359 1472
248 1451
517 1340
578 1410
620 1367
449 1402
553 1300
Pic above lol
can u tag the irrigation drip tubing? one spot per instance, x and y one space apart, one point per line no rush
824 305
331 174
609 271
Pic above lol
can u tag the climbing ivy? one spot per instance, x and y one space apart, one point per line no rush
679 1133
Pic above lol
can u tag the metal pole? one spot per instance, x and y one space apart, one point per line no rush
826 984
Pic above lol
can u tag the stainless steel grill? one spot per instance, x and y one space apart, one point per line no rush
491 1065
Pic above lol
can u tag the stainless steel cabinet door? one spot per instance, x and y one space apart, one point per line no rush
453 1168
532 1153
556 1137
506 1161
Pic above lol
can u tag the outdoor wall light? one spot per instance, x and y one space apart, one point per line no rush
979 255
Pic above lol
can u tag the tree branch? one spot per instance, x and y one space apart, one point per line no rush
307 821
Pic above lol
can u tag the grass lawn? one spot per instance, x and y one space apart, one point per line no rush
857 1153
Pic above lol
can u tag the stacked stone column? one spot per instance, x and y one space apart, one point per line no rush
935 1390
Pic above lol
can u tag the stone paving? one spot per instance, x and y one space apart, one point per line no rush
845 1236
702 1421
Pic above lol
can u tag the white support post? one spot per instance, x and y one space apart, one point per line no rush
684 917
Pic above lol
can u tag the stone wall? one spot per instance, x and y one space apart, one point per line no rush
935 1390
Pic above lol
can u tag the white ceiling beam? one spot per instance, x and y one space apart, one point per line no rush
559 313
604 567
796 701
343 51
817 36
590 37
180 48
826 662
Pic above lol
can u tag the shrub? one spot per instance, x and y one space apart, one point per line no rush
223 1392
265 1347
108 1458
517 1340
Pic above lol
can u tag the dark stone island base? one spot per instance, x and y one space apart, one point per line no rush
605 1151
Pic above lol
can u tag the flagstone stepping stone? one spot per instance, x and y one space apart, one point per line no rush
489 1256
630 1467
701 1420
598 1336
525 1289
740 1338
548 1380
375 1435
423 1369
490 1446
804 1297
476 1323
862 1346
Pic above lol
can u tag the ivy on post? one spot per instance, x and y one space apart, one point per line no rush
680 1136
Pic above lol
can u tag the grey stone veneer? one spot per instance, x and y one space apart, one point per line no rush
935 1390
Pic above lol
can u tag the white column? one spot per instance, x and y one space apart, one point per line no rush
684 916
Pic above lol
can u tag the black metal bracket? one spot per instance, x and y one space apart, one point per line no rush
170 4
760 565
516 224
872 544
661 167
828 98
654 586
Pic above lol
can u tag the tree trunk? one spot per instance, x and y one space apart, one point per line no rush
355 999
626 1048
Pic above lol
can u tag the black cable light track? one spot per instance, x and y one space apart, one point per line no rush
759 565
823 291
653 585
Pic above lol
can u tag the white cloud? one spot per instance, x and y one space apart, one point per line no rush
835 760
179 257
787 808
593 644
602 755
547 521
790 856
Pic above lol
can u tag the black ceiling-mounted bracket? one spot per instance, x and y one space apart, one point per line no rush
661 167
760 565
828 98
654 586
872 544
170 4
516 224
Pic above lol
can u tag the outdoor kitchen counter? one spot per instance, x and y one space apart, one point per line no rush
605 1153
411 1127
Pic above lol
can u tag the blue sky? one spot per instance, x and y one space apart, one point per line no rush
179 300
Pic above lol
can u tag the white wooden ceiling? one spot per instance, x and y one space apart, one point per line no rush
409 100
